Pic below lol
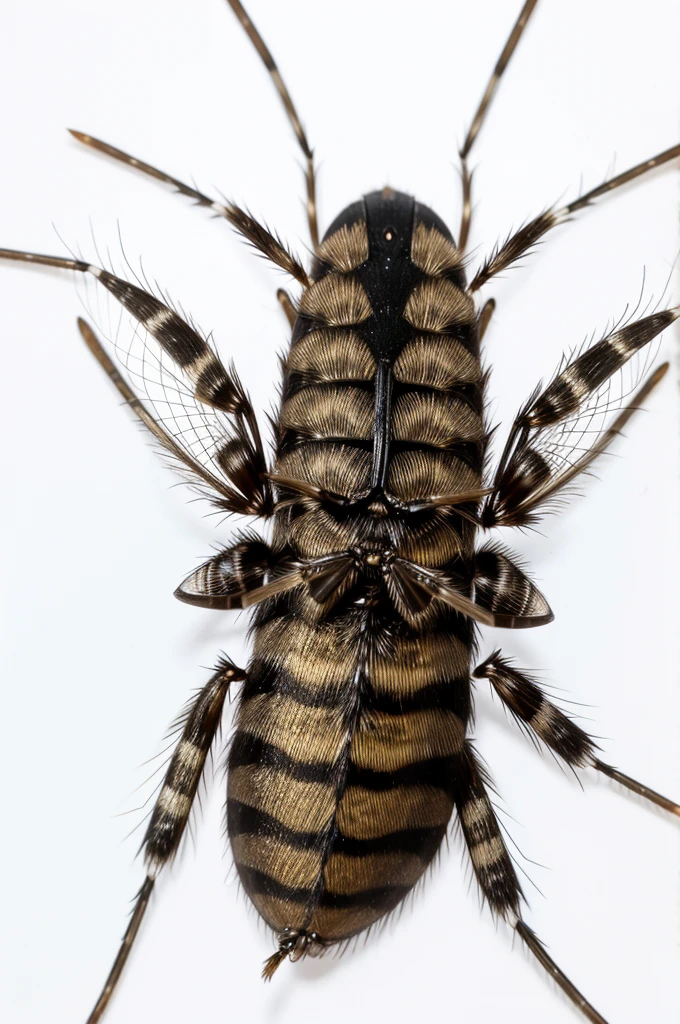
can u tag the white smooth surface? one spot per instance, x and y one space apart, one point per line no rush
99 657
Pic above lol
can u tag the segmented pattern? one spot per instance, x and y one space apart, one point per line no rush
340 775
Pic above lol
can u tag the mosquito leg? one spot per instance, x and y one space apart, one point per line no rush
243 485
254 232
525 479
228 576
141 903
200 724
637 787
494 870
526 238
530 707
491 861
536 947
504 596
287 306
268 61
488 310
478 119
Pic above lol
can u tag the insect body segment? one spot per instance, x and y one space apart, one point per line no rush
341 770
352 745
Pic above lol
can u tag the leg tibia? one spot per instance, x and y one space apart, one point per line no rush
529 474
171 812
490 858
531 708
172 809
529 705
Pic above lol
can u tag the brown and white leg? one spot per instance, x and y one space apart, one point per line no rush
530 707
494 869
237 472
270 64
171 811
255 233
528 475
478 119
526 238
223 581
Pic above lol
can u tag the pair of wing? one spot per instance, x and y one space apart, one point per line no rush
203 420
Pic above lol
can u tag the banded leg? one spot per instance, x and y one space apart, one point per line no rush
504 596
268 61
200 724
533 468
234 578
224 580
255 233
530 707
237 472
491 861
522 241
478 119
241 457
494 870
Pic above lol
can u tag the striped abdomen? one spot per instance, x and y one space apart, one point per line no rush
342 771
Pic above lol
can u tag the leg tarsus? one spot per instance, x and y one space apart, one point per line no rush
525 700
139 909
270 64
173 806
537 948
525 239
637 787
466 214
494 869
255 233
480 114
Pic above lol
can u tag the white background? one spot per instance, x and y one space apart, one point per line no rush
98 655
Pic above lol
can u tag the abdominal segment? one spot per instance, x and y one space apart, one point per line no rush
340 771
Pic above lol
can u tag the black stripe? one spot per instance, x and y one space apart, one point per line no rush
435 771
468 392
182 778
526 701
163 834
380 898
293 439
263 677
245 820
249 750
423 842
298 380
258 882
450 695
182 343
467 452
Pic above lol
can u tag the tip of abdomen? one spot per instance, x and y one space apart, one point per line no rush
294 944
